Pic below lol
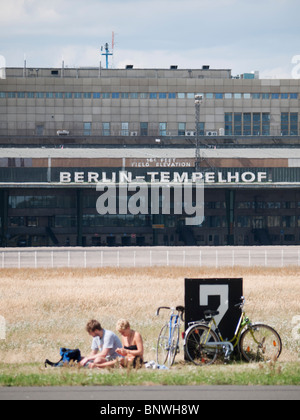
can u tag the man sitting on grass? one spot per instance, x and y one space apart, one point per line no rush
104 345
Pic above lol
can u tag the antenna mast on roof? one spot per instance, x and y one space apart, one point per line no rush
107 53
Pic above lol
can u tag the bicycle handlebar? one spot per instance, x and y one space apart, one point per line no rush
162 307
179 309
242 302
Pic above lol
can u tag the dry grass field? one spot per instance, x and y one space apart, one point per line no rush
48 309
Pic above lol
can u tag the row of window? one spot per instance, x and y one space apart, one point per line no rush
268 205
256 123
247 124
268 222
89 201
151 95
67 221
91 220
41 202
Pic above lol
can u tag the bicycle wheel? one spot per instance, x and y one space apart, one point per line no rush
162 348
200 345
260 343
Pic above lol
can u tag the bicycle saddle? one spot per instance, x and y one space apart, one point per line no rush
209 312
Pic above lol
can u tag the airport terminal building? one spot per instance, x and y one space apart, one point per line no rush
63 131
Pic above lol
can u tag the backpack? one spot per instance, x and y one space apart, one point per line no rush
67 356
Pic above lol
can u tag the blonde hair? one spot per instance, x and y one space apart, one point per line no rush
122 325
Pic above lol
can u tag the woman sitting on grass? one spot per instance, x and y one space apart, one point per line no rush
132 350
132 344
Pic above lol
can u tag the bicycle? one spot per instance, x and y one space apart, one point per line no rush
256 342
168 339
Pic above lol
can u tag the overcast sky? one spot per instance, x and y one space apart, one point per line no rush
242 35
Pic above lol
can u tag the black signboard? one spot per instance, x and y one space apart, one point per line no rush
221 295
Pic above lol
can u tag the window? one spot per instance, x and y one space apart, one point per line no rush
133 95
115 95
273 221
20 95
106 129
190 96
11 94
266 96
30 95
237 124
77 95
265 124
244 221
49 95
68 95
247 95
294 124
237 96
153 95
32 221
284 123
288 221
255 95
228 95
162 96
181 95
87 127
219 95
106 95
247 124
273 204
124 95
275 95
144 96
181 129
289 124
214 221
284 96
209 96
59 95
125 129
96 95
144 128
162 129
16 221
40 95
228 124
256 124
2 95
294 96
87 95
172 95
201 128
288 205
65 221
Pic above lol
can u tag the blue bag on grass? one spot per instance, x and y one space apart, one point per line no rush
67 356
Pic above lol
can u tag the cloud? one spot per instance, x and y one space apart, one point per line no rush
238 34
27 13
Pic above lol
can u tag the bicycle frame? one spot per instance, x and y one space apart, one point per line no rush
226 345
243 322
173 325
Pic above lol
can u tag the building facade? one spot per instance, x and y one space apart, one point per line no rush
145 103
64 131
